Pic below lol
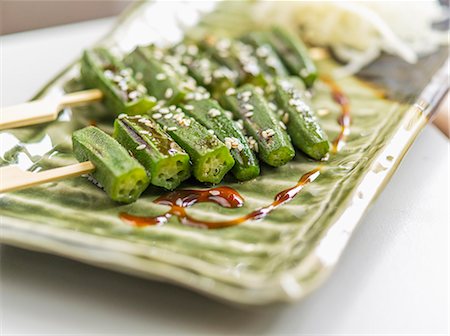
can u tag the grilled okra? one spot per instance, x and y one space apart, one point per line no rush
302 125
122 93
205 70
294 54
269 60
211 115
167 163
211 159
121 176
160 79
261 123
236 56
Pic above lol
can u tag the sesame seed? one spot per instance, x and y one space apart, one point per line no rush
152 99
169 93
189 107
210 131
272 106
249 114
156 115
283 126
214 192
173 128
140 147
161 76
143 120
285 118
230 91
121 116
109 74
229 114
213 112
249 107
259 90
168 116
164 110
172 108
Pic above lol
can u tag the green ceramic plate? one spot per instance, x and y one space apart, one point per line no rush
280 258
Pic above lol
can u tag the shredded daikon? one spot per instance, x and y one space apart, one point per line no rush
357 32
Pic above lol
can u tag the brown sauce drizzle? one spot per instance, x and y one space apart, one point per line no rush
227 197
344 119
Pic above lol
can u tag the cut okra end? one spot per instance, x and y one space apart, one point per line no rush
170 172
279 157
318 150
128 187
212 167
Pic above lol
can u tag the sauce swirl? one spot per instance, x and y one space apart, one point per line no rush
227 197
344 119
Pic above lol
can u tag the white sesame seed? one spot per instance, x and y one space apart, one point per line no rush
283 126
108 74
172 108
272 106
164 110
249 114
140 147
230 91
143 120
156 115
214 192
122 115
248 107
229 114
152 99
144 132
189 107
173 128
213 112
161 76
169 93
210 131
259 90
168 116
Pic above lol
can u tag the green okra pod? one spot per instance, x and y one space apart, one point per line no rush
120 175
299 117
269 60
159 77
167 163
294 54
273 143
211 159
210 114
122 93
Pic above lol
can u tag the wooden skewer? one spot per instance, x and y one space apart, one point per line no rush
13 178
44 110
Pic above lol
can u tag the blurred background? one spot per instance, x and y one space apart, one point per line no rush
18 15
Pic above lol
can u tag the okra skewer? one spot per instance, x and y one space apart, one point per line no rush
237 57
294 54
302 125
211 159
211 115
121 92
120 175
260 122
165 161
160 78
206 71
269 60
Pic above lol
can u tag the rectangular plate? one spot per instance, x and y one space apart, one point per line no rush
280 258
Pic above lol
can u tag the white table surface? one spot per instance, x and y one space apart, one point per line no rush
393 277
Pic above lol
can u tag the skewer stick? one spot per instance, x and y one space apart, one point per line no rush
44 110
13 178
